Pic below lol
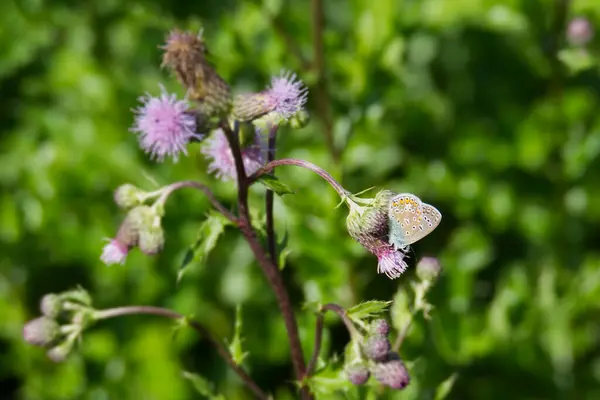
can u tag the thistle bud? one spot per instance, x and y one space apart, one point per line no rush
185 53
300 119
380 327
147 223
128 196
580 31
376 347
250 106
51 305
152 240
41 331
392 372
428 269
357 373
60 352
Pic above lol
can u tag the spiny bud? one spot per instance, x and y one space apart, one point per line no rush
51 305
300 119
380 327
41 331
185 53
428 269
128 196
357 373
60 352
376 347
369 225
392 372
250 106
152 240
147 222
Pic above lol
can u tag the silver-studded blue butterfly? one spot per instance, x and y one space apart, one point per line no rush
410 220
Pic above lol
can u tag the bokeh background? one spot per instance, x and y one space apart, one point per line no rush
486 109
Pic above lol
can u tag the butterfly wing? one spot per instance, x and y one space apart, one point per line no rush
430 219
405 215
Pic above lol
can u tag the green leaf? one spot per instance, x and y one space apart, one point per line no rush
235 347
400 310
271 182
283 256
206 240
368 309
202 386
329 380
444 388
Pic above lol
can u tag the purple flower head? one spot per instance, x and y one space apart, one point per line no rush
390 262
222 164
114 252
164 125
286 95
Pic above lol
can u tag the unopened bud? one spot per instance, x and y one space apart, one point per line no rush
357 373
79 295
128 196
250 106
300 119
428 269
60 352
152 240
369 225
376 347
392 372
380 327
580 31
41 331
51 305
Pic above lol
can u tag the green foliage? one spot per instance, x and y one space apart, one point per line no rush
481 108
272 183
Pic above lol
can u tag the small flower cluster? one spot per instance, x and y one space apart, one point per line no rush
141 227
64 317
379 360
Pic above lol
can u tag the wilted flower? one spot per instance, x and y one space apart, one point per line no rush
164 125
41 331
376 347
369 225
222 164
357 373
580 31
185 53
380 327
392 372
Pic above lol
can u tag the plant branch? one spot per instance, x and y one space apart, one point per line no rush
269 268
168 190
164 312
321 94
269 199
304 164
341 312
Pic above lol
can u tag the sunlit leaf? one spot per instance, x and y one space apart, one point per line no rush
368 309
273 183
445 387
202 386
235 347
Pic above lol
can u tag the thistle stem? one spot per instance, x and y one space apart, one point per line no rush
344 194
269 268
198 327
269 199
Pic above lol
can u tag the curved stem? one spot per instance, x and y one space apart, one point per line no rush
269 199
164 312
304 164
168 190
269 268
341 312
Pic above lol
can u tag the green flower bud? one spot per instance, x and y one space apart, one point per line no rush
152 240
41 331
428 269
60 352
300 119
250 106
128 196
357 373
51 305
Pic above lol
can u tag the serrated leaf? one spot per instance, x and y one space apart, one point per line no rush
271 182
329 380
202 385
444 388
235 347
206 240
368 309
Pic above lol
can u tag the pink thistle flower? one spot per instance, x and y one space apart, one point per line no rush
390 262
114 252
286 95
164 125
222 164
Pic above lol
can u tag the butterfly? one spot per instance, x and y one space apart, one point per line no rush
410 220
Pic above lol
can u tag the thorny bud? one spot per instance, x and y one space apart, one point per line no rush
41 331
369 225
380 327
51 305
250 106
376 347
392 372
428 269
128 196
185 53
357 373
147 221
580 31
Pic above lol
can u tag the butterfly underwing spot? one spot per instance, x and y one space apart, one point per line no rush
410 219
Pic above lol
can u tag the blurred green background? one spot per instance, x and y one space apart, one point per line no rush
480 107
